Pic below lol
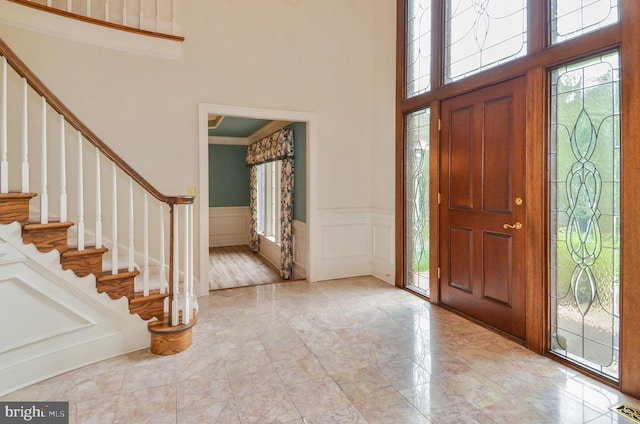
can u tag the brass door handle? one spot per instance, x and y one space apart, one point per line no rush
517 226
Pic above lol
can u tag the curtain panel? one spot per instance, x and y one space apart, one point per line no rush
277 146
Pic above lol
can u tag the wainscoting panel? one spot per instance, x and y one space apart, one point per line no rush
229 226
356 242
383 257
300 249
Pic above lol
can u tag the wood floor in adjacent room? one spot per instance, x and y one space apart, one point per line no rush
238 266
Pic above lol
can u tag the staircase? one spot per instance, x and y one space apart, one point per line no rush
63 216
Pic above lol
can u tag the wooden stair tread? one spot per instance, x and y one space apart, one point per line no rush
17 195
122 274
163 327
89 250
153 295
35 226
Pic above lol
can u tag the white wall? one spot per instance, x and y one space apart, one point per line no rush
334 58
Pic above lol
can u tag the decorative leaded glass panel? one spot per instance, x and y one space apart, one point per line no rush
584 164
573 18
481 34
418 48
416 186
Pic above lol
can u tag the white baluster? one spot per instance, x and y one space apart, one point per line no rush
69 5
44 196
163 276
141 14
145 272
4 164
63 173
187 261
131 247
80 196
191 288
88 8
106 10
48 3
176 266
98 202
114 230
25 138
124 12
173 16
157 15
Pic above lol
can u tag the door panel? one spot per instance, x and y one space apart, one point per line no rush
482 174
461 269
461 147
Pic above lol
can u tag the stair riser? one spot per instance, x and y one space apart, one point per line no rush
47 240
14 210
83 265
148 308
116 288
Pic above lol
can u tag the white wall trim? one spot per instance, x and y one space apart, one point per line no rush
230 141
311 119
71 29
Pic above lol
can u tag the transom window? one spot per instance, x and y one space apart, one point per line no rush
573 18
481 34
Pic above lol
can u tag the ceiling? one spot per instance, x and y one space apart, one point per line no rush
231 126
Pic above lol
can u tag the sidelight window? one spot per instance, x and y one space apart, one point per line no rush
584 163
417 200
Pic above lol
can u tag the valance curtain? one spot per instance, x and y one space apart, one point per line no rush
277 146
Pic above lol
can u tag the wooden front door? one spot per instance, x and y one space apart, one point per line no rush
482 213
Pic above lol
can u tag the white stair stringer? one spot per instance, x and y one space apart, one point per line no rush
54 321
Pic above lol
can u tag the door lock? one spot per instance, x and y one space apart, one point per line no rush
517 226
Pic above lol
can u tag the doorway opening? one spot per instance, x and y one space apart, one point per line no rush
219 222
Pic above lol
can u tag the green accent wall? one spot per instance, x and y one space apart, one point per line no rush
300 171
228 176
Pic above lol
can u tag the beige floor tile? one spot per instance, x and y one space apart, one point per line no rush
363 384
343 351
317 396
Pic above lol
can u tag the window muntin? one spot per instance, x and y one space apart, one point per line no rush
481 34
573 18
584 164
418 47
416 186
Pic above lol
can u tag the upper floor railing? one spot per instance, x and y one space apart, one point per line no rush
156 18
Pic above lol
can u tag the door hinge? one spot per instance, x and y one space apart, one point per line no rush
439 124
438 273
439 198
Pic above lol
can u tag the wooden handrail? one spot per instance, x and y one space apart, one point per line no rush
23 70
95 21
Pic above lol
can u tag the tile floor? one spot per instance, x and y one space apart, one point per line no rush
343 351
